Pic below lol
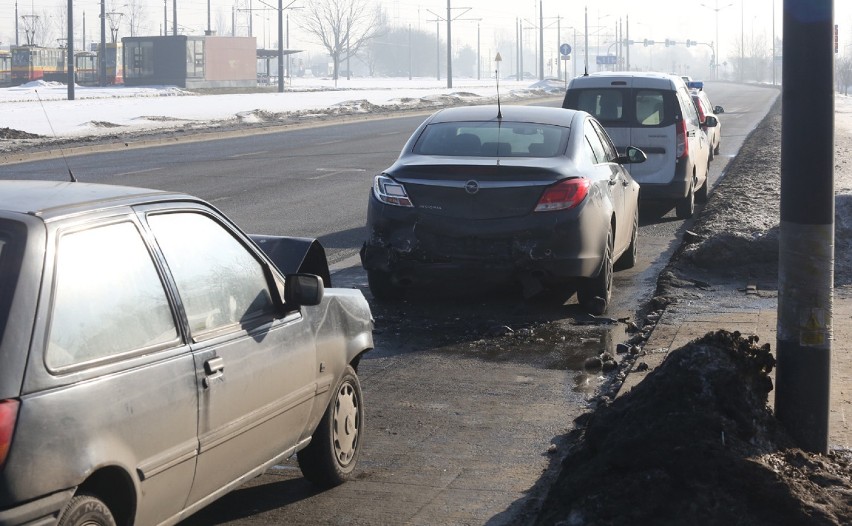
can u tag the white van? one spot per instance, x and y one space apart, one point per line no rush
654 112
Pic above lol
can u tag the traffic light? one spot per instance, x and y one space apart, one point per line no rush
647 42
669 42
691 43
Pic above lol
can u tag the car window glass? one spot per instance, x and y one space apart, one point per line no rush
650 107
606 105
688 108
701 107
492 139
610 153
108 297
595 143
221 283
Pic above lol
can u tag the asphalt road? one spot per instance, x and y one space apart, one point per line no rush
451 437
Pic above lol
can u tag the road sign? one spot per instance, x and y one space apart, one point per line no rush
565 49
603 60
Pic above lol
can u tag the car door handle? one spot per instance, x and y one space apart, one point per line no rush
214 368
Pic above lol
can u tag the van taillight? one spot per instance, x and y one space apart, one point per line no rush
682 143
8 416
563 195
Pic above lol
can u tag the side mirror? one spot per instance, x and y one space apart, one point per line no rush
711 121
303 289
718 110
634 156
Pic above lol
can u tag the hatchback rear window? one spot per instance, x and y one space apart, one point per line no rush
492 139
12 242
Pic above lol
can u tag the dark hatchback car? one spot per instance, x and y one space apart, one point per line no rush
153 357
533 194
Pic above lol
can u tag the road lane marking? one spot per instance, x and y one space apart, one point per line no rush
237 155
336 141
137 172
335 171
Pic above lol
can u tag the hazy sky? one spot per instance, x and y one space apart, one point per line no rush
652 19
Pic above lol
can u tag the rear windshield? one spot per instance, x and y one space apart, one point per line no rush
623 107
11 250
492 139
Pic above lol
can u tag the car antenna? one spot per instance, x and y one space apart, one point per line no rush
61 151
497 76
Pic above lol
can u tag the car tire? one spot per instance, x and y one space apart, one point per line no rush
702 194
382 286
88 510
594 293
332 455
685 207
628 259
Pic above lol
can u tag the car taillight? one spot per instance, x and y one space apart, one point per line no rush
8 416
682 143
390 192
563 195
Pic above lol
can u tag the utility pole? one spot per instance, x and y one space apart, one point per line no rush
627 57
541 40
102 49
806 246
281 45
449 46
174 17
17 43
70 50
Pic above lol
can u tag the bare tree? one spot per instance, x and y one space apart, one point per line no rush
343 27
843 74
135 16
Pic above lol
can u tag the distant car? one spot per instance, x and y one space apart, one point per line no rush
655 112
531 193
706 109
153 357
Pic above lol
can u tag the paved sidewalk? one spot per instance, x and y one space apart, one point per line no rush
753 313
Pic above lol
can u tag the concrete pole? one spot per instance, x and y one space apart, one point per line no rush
540 39
102 49
449 46
806 250
280 47
70 50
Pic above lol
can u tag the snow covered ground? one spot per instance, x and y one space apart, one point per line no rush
42 108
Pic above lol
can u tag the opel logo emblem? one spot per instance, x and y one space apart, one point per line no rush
471 187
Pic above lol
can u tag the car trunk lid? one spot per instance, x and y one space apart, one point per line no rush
477 190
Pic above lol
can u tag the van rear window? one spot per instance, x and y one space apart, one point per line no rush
650 108
606 105
623 107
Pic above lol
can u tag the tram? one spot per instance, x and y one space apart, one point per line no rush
5 68
86 66
31 63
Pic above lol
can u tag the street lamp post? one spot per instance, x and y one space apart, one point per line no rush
716 51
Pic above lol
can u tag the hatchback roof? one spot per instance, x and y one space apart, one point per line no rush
55 198
510 113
